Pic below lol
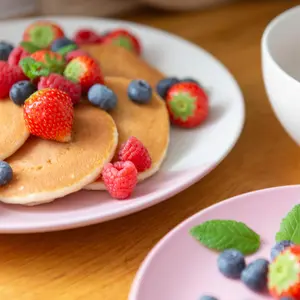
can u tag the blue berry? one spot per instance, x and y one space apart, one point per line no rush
207 298
279 247
20 91
6 173
60 43
164 85
255 275
231 263
190 80
139 91
5 49
102 96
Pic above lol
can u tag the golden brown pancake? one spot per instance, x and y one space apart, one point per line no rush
45 170
147 122
13 130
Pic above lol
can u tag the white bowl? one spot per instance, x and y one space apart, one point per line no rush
281 69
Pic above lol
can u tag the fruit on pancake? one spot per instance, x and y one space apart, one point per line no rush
5 50
59 82
21 90
63 43
8 76
42 33
6 173
84 70
284 274
49 114
52 60
139 91
125 39
102 97
87 36
16 55
164 85
279 247
133 150
187 104
75 53
120 179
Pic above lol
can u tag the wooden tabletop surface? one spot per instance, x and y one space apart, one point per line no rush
100 262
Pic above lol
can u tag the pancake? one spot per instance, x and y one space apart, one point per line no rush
13 130
119 62
45 170
147 122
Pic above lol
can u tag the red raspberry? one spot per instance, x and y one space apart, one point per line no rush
9 75
16 55
133 150
73 54
59 82
120 179
87 36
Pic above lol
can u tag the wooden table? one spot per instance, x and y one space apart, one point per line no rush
106 257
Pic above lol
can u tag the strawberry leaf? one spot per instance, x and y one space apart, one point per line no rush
29 47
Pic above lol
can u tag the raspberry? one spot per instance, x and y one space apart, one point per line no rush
59 82
9 75
87 36
133 150
120 179
16 55
73 54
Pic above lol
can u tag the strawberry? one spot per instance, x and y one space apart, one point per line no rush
87 36
52 60
49 114
284 274
125 39
42 33
187 104
85 70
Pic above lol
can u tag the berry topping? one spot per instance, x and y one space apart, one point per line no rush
187 104
139 91
207 298
62 43
133 150
6 173
231 263
120 179
102 96
42 33
164 85
59 82
20 91
5 50
87 36
85 70
255 275
49 114
73 54
279 247
52 60
16 55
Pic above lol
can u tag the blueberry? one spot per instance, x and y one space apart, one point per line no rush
231 263
60 43
5 49
255 275
190 80
102 96
164 85
6 173
279 247
20 91
207 298
139 91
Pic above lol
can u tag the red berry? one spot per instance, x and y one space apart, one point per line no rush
16 55
59 82
120 179
133 150
87 36
9 75
49 114
73 54
187 104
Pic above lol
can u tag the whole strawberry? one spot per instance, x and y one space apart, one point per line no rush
49 115
187 104
84 70
125 39
284 274
87 36
16 55
42 33
75 53
59 82
120 179
52 60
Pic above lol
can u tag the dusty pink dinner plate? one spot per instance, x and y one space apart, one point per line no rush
180 268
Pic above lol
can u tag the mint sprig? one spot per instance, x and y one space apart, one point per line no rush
290 227
55 65
33 69
29 47
66 49
220 235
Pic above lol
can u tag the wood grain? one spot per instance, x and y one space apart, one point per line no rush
100 262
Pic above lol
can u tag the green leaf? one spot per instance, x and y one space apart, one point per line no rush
29 47
33 69
290 227
65 50
227 234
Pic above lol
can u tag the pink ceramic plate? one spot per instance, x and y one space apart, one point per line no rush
180 268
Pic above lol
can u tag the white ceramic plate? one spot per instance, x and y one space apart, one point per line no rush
192 153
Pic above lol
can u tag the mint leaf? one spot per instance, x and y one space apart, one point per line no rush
227 234
33 69
29 47
65 50
290 227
